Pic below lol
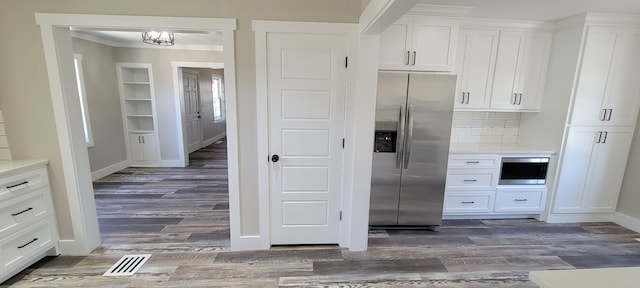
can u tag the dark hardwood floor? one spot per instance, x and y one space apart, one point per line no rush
180 216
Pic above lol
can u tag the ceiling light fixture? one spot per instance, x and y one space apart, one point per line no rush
162 38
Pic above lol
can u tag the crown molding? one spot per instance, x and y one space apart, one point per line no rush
440 10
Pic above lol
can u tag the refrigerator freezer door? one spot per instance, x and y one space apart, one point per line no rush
430 105
385 183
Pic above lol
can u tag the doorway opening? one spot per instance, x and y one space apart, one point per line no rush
56 34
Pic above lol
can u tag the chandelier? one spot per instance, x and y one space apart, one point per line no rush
162 38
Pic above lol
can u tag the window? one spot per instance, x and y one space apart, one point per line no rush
218 98
88 137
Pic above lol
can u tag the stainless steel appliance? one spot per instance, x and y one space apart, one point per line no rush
523 171
413 131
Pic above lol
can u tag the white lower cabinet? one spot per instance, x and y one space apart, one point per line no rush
28 229
527 199
472 190
142 147
469 202
592 169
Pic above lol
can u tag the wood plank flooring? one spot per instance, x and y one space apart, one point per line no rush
181 217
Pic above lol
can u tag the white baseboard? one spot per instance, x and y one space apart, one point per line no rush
160 163
210 141
70 248
492 216
579 217
106 171
249 243
627 221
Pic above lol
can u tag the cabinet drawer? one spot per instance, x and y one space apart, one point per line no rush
457 180
21 184
28 243
478 202
474 162
19 211
519 201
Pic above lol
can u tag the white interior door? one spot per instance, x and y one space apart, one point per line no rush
306 80
192 110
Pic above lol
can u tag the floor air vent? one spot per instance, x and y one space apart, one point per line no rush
127 265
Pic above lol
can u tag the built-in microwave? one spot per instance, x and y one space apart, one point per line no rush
523 171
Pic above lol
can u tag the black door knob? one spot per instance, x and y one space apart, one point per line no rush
275 158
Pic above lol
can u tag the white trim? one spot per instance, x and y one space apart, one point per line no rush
261 28
82 91
106 171
75 161
439 10
213 139
178 93
70 248
484 23
627 221
579 217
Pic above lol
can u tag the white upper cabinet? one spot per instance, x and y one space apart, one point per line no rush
607 92
418 43
520 70
475 62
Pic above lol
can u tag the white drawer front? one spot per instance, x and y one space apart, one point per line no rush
19 211
475 180
25 244
470 162
519 201
24 183
468 203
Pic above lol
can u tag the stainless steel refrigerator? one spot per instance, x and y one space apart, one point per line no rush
411 151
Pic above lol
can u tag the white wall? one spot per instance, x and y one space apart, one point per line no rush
629 201
103 102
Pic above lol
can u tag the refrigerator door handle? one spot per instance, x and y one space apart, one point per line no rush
400 137
409 137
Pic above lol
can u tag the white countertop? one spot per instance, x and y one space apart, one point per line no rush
627 277
9 166
467 148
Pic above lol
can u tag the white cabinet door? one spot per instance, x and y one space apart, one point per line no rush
149 147
417 43
573 179
623 98
592 169
534 71
519 199
143 147
135 147
395 46
475 67
433 44
507 70
607 170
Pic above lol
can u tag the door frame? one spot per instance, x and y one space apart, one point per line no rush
351 32
176 68
58 52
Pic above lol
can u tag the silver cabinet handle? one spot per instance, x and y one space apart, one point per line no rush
610 112
142 139
468 96
409 139
520 200
467 202
599 137
470 180
515 99
139 141
604 115
414 58
473 162
520 98
463 94
604 140
408 57
400 138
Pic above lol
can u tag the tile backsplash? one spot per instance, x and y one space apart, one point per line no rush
485 127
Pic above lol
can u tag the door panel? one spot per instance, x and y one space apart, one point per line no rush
192 111
508 61
385 178
306 121
430 103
